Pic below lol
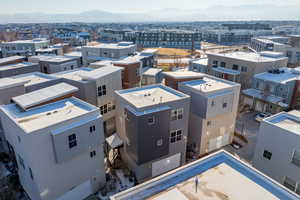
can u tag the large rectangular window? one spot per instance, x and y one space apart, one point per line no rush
176 136
72 141
101 90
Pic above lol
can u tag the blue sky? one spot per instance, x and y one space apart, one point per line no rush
75 6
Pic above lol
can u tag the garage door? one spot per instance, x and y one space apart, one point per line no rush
165 165
80 192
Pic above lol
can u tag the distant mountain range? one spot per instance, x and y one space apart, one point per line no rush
245 12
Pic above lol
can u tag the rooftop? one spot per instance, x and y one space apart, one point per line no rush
11 58
52 58
184 74
121 45
34 78
37 40
209 84
129 60
201 61
74 54
282 75
10 82
75 74
250 56
150 95
47 115
151 71
44 95
16 66
220 177
100 72
289 121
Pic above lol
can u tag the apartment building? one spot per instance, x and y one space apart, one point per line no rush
277 152
97 86
288 45
111 51
172 79
58 145
167 38
12 60
18 68
213 110
10 88
274 91
242 66
217 176
132 73
152 76
76 54
152 122
54 64
23 47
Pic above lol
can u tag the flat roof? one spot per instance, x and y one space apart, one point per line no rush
11 58
37 40
209 84
249 56
220 176
52 58
129 60
289 121
48 114
34 78
150 95
285 75
10 82
100 72
75 74
17 66
184 74
111 46
201 61
74 54
151 71
44 95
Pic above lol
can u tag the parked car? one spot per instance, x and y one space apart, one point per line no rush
260 116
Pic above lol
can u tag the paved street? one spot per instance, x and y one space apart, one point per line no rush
248 127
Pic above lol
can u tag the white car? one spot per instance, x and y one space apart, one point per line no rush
260 116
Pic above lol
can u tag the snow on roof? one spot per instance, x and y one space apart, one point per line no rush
285 75
44 95
184 74
248 56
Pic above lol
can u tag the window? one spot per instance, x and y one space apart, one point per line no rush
223 64
30 172
296 158
92 154
224 105
72 141
92 129
267 155
215 63
244 69
151 120
212 103
176 136
103 109
177 114
21 161
235 67
159 142
101 90
208 123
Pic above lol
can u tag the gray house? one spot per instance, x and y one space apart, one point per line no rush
152 122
